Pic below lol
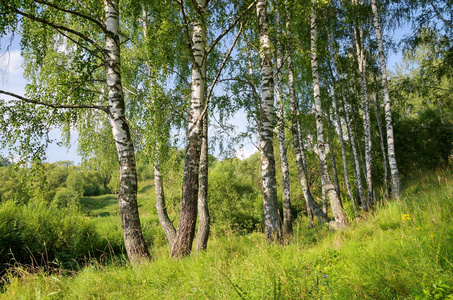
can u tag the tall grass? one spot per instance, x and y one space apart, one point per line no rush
403 250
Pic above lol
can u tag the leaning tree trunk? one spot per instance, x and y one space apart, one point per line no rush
343 147
188 216
127 195
351 137
204 219
396 183
161 207
366 116
286 192
270 204
337 210
312 206
332 158
355 154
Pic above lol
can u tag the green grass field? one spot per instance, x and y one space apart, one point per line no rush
402 250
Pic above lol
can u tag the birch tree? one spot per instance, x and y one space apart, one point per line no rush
361 59
396 184
337 210
311 204
196 32
286 190
71 16
271 216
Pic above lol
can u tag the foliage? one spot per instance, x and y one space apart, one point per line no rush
423 142
234 197
39 235
401 251
58 182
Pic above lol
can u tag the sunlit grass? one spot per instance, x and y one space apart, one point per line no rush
400 251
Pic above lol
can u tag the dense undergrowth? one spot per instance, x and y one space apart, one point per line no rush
402 250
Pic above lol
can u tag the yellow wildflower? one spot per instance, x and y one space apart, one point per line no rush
406 217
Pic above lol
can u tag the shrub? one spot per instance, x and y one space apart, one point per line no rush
66 198
39 234
234 199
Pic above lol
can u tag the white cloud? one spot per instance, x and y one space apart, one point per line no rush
244 153
11 63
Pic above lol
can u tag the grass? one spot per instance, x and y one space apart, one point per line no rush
403 250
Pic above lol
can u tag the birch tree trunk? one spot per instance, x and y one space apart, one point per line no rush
343 147
271 216
365 116
337 210
332 158
161 206
351 137
396 183
377 111
204 218
286 192
188 216
127 194
311 204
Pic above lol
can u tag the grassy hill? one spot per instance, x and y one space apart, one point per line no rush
402 250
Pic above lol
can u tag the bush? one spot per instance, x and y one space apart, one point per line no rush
39 234
66 198
234 199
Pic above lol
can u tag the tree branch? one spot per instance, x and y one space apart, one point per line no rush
208 97
186 31
440 16
431 87
104 109
53 25
80 45
97 22
214 43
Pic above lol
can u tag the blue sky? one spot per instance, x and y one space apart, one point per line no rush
11 79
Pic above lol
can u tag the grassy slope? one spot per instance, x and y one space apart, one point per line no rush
398 252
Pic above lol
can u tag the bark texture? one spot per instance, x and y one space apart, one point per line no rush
333 161
204 219
286 188
377 111
161 207
343 148
365 115
127 195
188 216
271 216
335 203
312 206
396 182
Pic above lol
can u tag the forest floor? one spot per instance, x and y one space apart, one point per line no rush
402 250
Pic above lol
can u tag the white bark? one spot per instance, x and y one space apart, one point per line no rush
337 210
396 183
204 219
311 204
377 111
365 116
343 148
188 216
270 204
350 133
127 195
286 192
